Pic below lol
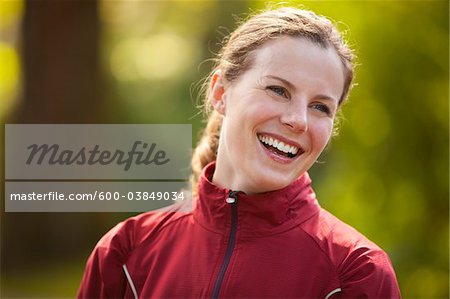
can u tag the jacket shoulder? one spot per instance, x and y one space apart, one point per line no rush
130 233
363 268
104 275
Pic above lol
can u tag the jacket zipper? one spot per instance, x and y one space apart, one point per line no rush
232 200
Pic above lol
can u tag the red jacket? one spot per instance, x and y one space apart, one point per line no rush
279 244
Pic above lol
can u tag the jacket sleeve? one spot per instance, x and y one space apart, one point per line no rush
104 276
368 273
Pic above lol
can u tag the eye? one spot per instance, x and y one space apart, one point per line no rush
279 90
322 108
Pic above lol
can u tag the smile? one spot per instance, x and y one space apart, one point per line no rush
279 147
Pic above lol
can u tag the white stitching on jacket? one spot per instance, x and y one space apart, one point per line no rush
333 292
130 281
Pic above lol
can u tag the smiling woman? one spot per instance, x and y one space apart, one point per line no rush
256 229
290 95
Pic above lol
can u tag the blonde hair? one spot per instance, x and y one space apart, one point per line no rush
235 58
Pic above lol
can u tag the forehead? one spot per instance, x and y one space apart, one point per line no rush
300 61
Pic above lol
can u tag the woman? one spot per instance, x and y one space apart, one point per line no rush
256 230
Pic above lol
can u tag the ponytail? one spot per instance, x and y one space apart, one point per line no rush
206 149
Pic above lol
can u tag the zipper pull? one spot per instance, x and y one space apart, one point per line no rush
232 197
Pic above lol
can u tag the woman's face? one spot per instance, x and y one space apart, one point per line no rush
278 115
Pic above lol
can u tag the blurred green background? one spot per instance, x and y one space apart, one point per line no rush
386 174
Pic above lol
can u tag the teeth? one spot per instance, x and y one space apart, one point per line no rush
281 146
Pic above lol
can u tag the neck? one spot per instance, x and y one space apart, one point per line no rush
226 178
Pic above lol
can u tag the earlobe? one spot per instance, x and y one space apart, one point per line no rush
217 95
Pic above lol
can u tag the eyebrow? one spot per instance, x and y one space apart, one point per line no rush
286 82
292 86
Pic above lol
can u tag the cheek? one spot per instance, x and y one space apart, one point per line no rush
255 112
321 134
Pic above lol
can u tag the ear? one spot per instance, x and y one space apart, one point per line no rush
217 95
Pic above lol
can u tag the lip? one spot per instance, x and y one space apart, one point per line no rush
275 157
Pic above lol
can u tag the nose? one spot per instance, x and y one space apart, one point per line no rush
295 117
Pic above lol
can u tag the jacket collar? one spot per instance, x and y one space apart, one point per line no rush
258 215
